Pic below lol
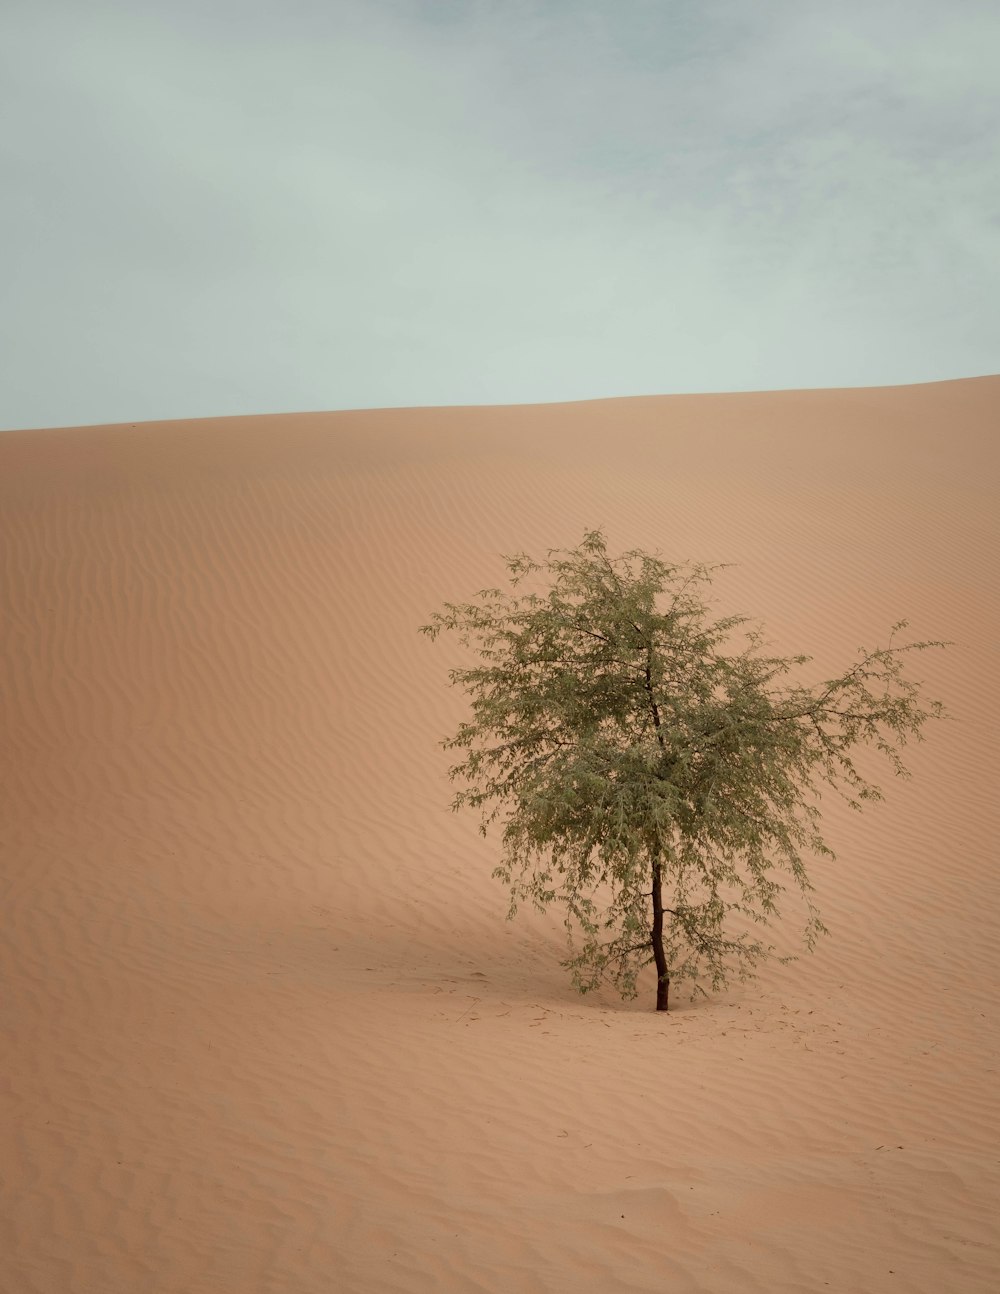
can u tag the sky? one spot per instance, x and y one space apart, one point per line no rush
219 207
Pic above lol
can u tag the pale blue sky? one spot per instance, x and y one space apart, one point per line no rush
247 206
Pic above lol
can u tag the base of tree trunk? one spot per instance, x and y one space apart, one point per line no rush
656 938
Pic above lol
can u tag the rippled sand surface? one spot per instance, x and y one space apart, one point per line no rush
265 1028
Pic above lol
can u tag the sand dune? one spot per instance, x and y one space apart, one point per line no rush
265 1027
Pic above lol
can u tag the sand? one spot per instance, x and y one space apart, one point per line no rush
265 1026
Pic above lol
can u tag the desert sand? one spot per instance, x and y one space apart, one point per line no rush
265 1026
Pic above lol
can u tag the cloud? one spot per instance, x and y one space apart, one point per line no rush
235 208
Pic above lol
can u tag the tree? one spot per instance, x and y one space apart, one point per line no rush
657 783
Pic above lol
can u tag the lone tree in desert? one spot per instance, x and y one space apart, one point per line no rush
657 784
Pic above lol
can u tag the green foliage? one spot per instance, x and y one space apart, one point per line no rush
626 741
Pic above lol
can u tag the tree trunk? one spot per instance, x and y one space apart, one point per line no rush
656 939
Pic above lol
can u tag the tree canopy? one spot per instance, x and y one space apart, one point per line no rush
657 779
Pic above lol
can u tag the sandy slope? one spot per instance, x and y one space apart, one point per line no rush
265 1028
